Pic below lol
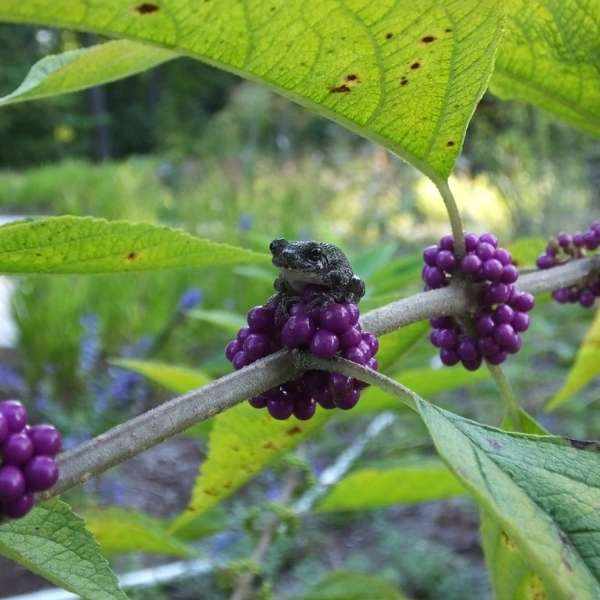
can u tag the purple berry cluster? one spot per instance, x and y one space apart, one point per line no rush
325 331
27 462
502 310
565 247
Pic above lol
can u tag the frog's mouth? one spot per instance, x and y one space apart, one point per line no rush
298 276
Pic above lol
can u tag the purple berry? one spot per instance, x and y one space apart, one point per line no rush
3 428
442 322
324 344
243 333
503 256
433 277
240 360
448 339
471 263
590 239
485 251
17 449
514 345
445 260
523 302
335 317
448 357
578 239
504 335
261 319
497 358
315 381
467 351
503 314
564 240
586 298
562 295
356 355
15 415
297 331
545 261
430 255
489 238
12 483
232 349
41 473
488 346
371 341
520 321
340 385
498 293
304 408
447 243
372 364
351 337
473 364
510 274
471 241
349 400
353 312
325 399
256 345
492 269
259 401
485 324
434 337
19 507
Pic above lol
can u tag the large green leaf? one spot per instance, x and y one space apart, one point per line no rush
53 542
79 69
376 488
405 75
120 531
542 491
585 368
550 55
173 377
88 245
393 346
242 442
225 319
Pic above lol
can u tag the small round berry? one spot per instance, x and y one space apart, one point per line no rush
485 251
503 256
356 355
430 255
586 298
448 338
510 274
339 384
591 240
280 407
447 242
259 401
448 357
12 483
354 313
261 319
349 400
514 344
325 399
256 345
335 317
545 261
433 277
523 301
471 263
15 414
520 321
351 337
17 449
564 240
371 341
498 293
3 428
445 260
243 333
578 239
485 324
503 314
488 346
304 408
492 269
19 507
489 238
434 337
365 349
504 334
372 364
472 365
324 344
467 351
497 358
41 473
442 322
297 331
562 295
240 360
232 349
471 241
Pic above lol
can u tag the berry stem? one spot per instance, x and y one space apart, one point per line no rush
511 405
453 215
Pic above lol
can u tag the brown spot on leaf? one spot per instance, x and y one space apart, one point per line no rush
448 29
294 430
428 39
403 81
450 143
211 492
585 444
146 8
415 65
389 36
339 89
508 543
351 77
269 446
132 255
227 485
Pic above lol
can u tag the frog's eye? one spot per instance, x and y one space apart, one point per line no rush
315 253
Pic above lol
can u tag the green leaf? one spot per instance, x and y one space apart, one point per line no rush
406 76
206 524
585 368
542 491
376 488
393 346
120 531
173 377
242 442
526 250
372 259
225 319
425 382
88 245
349 585
80 69
549 56
53 542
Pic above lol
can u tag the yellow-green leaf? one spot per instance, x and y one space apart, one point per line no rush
376 488
119 531
86 67
393 346
549 56
173 377
225 319
585 368
88 245
53 542
405 75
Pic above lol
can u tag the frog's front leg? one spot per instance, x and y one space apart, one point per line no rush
283 300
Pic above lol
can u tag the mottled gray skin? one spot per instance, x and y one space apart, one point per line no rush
317 263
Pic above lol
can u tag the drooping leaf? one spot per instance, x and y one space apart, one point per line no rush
585 368
541 490
549 56
405 75
225 319
242 442
53 542
173 377
393 346
119 531
376 488
350 585
86 67
88 245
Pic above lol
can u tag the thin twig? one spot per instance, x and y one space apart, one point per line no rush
453 216
144 431
511 406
